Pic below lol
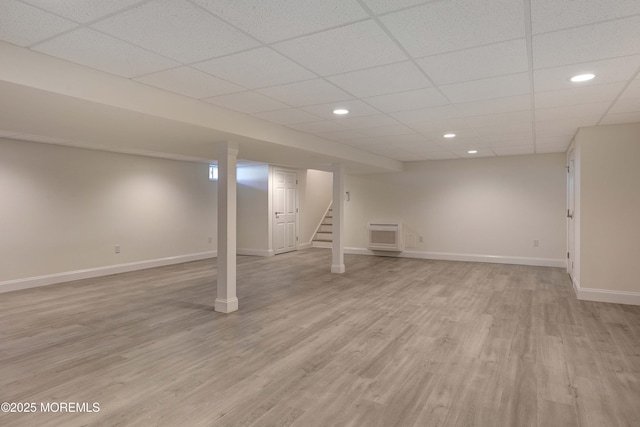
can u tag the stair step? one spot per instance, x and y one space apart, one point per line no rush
324 234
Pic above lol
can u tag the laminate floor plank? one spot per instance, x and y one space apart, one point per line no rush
392 342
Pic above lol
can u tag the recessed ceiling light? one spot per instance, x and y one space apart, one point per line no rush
449 135
472 151
582 77
340 111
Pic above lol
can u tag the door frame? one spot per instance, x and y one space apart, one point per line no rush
571 211
272 169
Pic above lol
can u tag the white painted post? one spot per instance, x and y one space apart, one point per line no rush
226 300
337 263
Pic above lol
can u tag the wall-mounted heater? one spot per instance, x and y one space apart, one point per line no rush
385 236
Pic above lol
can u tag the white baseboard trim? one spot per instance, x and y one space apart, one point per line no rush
254 252
338 268
226 305
604 295
324 245
67 276
442 256
304 245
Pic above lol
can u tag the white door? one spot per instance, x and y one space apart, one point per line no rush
571 199
284 213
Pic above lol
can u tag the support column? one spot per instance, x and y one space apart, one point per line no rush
337 262
226 300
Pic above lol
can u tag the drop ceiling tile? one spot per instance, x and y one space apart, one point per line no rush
176 29
408 156
494 87
508 140
426 115
288 117
418 141
552 15
349 48
500 119
247 102
506 131
512 150
494 106
360 143
556 139
256 68
273 20
464 147
445 26
356 108
632 91
318 127
428 147
607 71
411 100
384 6
102 52
588 43
440 155
25 25
477 63
309 92
342 135
552 148
437 128
554 128
410 140
82 10
399 77
575 113
632 117
190 82
579 95
463 136
387 131
625 105
481 152
390 152
364 122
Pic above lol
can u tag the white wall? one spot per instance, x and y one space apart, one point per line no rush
609 211
315 192
64 209
253 210
254 213
485 207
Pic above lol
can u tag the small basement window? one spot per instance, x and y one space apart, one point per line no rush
213 172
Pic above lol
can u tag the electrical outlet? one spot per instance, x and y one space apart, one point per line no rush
210 240
536 243
117 248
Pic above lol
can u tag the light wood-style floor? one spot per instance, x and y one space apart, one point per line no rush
392 342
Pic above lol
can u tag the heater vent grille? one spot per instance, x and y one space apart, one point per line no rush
385 236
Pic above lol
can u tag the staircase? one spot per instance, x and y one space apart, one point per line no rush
324 236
